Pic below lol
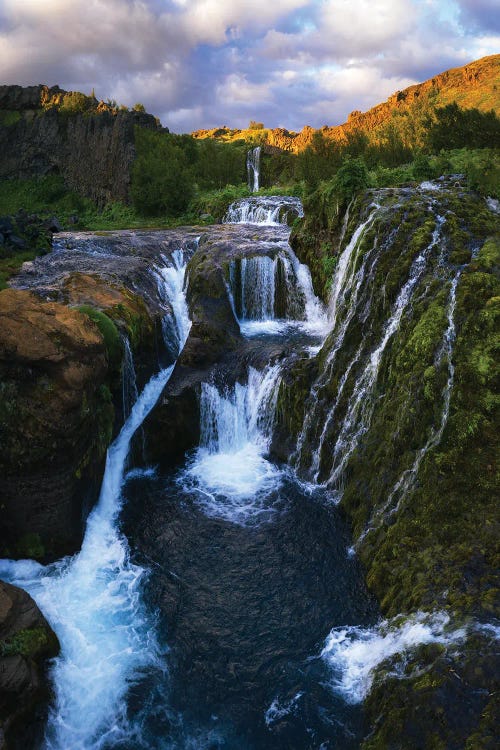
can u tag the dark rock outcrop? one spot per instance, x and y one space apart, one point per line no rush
93 150
26 642
56 420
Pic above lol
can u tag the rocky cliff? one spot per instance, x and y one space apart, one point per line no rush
49 131
56 420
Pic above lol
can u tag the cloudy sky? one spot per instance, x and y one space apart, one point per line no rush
206 63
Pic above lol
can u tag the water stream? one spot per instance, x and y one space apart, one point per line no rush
215 606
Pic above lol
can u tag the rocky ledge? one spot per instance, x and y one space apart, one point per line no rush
26 642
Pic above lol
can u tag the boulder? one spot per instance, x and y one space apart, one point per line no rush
26 642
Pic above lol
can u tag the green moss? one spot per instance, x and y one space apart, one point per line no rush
30 643
109 333
425 337
9 117
488 258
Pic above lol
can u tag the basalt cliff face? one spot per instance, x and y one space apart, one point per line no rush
396 416
93 150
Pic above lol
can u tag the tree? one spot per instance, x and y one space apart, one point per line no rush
456 128
138 107
161 180
319 160
351 178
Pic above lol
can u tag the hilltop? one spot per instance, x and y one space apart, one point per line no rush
475 85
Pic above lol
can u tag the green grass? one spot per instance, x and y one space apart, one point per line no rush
11 266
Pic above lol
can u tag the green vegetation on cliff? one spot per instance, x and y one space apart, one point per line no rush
420 492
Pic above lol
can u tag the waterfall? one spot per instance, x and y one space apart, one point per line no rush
269 210
349 278
264 289
230 471
404 484
171 282
256 294
360 406
253 168
129 384
93 600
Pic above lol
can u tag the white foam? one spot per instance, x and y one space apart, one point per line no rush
230 470
93 603
353 653
279 709
93 600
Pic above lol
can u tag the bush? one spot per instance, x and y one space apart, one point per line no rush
161 182
422 169
74 102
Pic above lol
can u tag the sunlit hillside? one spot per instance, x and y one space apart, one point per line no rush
476 85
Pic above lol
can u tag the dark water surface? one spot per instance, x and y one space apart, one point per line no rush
242 610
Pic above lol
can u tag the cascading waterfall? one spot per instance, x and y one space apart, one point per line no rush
171 286
347 282
270 210
237 545
230 470
265 289
255 294
360 405
403 486
253 168
93 600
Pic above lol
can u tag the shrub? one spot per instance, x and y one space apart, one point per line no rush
74 102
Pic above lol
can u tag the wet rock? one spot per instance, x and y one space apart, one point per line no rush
26 642
55 424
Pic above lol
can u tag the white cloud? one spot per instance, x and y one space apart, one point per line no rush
287 61
236 88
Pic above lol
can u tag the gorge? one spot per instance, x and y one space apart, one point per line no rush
283 553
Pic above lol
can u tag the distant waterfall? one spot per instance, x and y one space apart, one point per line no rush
253 168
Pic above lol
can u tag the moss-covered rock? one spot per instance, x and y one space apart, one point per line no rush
421 480
26 643
56 420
